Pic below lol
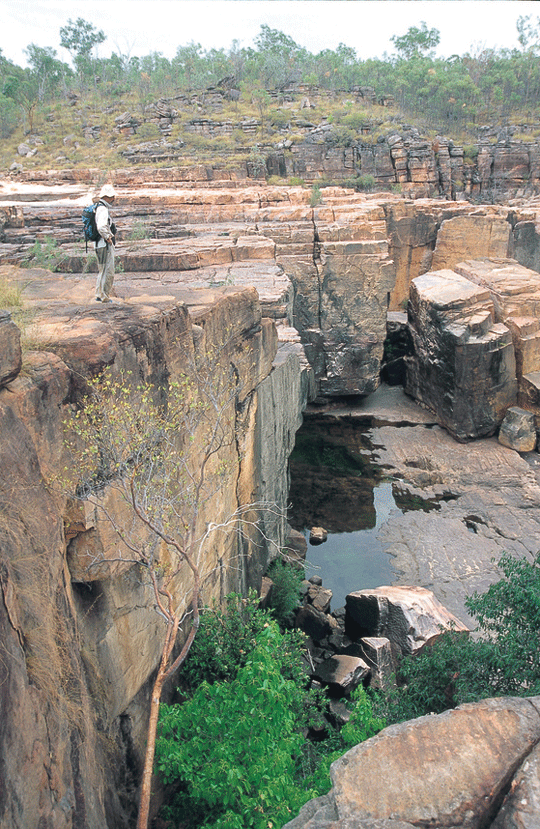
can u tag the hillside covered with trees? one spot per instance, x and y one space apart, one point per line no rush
89 112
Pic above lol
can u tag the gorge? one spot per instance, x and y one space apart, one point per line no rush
304 300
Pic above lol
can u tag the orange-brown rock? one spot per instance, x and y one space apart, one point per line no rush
449 770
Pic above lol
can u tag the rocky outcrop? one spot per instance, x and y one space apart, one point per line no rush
455 769
476 344
83 643
463 364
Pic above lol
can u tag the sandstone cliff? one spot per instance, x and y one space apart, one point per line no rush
80 645
304 292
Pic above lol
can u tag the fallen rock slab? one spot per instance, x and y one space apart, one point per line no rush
341 673
409 617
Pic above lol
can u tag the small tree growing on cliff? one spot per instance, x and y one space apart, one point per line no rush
149 460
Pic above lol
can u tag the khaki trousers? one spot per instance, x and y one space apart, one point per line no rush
105 278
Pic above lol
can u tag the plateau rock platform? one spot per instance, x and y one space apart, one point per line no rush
301 300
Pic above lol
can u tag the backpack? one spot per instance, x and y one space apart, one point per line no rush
89 224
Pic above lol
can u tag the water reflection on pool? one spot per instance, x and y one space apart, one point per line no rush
337 483
354 560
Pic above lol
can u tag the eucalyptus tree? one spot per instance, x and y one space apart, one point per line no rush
50 72
417 41
80 38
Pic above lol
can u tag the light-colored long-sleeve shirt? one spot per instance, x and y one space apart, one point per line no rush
103 224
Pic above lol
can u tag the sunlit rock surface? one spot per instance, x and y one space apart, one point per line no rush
450 770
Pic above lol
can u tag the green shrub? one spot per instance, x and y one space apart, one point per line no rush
285 593
235 753
458 668
315 197
470 153
233 747
228 635
317 758
44 255
366 182
140 230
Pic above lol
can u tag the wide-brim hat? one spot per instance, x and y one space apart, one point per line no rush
108 191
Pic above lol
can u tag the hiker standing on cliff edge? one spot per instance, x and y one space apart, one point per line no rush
105 244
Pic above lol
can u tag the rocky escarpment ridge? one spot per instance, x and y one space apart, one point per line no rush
502 162
349 259
80 644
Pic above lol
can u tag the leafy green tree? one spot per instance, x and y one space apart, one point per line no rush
79 38
233 745
8 116
277 59
228 634
416 41
528 32
23 88
49 71
285 593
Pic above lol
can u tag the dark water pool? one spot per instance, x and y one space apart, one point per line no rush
337 484
353 560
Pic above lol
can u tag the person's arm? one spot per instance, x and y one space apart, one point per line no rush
102 223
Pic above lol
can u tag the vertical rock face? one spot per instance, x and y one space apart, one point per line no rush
515 291
471 237
343 275
463 367
83 644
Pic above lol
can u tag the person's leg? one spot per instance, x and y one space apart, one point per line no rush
102 257
108 277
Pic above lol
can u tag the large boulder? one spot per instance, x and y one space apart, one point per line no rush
449 770
409 617
463 367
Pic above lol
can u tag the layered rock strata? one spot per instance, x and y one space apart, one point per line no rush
476 344
349 258
83 641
